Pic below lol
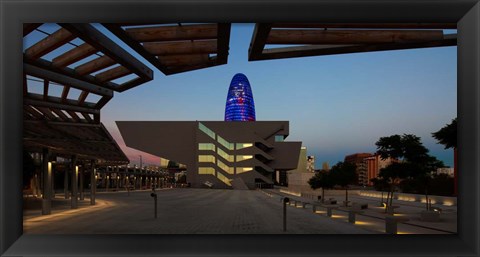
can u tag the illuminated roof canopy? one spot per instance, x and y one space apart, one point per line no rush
240 105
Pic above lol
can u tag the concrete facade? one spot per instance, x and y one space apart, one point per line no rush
217 154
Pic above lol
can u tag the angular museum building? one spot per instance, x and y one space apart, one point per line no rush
218 154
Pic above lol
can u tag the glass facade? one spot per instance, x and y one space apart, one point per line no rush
228 169
243 157
243 169
206 171
206 146
240 105
206 158
206 130
243 145
225 143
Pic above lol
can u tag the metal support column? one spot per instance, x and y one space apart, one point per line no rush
74 202
81 178
47 181
93 182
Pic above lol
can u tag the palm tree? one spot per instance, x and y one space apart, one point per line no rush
447 136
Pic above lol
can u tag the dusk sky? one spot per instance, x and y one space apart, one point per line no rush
337 105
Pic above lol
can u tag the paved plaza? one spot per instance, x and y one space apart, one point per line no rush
183 211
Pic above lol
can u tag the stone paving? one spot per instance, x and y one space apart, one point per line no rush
184 211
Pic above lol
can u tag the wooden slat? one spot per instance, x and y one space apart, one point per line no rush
104 44
45 89
63 79
74 116
183 60
33 112
223 42
46 112
287 37
173 33
184 47
368 25
104 100
74 55
131 84
25 85
65 91
291 52
82 97
113 73
59 100
59 106
94 65
87 117
259 38
29 27
61 115
50 43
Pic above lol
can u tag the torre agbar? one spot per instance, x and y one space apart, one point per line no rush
240 105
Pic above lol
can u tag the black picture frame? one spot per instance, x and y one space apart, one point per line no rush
13 13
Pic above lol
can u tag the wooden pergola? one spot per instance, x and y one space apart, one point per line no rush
316 39
175 48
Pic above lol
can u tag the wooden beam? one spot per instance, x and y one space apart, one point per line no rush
50 43
29 27
41 63
104 44
173 33
46 112
94 65
25 84
65 91
45 89
66 107
82 97
291 52
113 73
131 84
182 47
259 37
61 115
55 99
135 45
223 42
74 55
65 80
33 112
87 117
368 25
103 101
290 37
73 115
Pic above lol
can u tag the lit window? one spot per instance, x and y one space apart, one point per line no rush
243 157
206 171
228 169
206 130
206 158
223 179
225 143
224 155
243 145
206 146
279 138
243 169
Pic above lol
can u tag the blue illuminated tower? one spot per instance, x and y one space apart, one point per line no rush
240 106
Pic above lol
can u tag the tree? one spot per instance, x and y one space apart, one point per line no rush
344 174
380 184
413 161
322 179
447 136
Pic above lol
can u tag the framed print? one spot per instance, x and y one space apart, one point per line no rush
274 128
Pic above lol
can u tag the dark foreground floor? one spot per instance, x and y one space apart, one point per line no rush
185 211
